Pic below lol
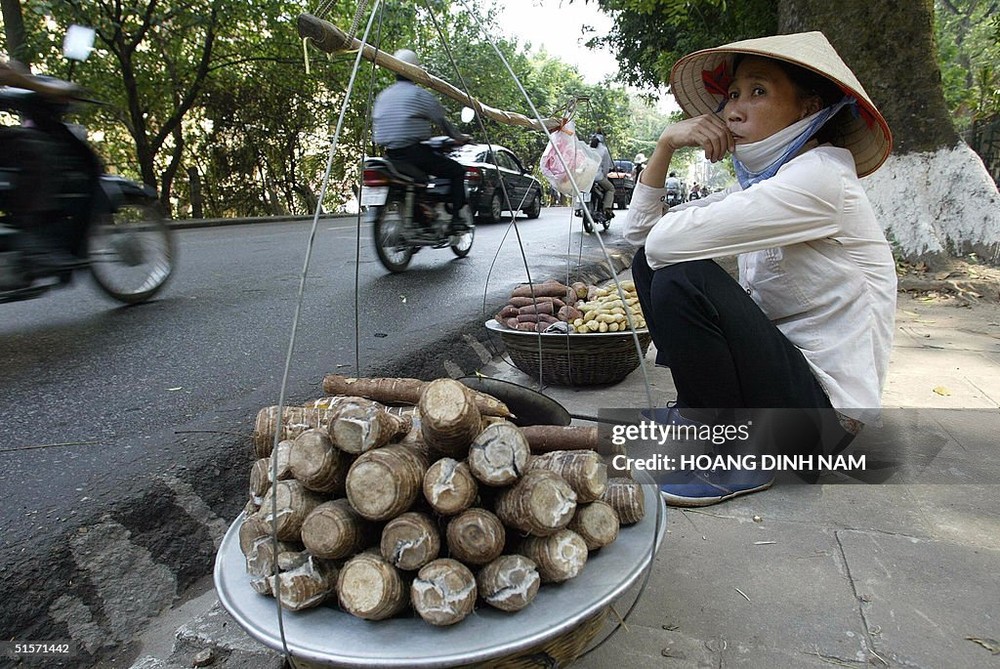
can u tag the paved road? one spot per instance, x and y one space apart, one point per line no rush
123 429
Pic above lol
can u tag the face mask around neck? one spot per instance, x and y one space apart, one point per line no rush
760 160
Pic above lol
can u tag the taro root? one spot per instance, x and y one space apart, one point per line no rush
559 557
369 587
449 486
597 523
294 503
334 530
499 454
626 498
411 540
444 592
475 536
449 419
316 464
383 483
509 583
540 503
584 471
310 582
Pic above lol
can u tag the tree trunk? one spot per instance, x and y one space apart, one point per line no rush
933 196
13 22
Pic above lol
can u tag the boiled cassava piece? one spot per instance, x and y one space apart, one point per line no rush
584 471
316 463
449 419
334 530
361 424
444 592
308 584
449 486
294 421
475 536
252 528
509 583
260 479
383 483
597 523
282 455
263 555
559 557
499 454
402 391
369 587
540 503
294 503
410 540
626 498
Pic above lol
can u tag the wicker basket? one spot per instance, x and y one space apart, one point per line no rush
577 359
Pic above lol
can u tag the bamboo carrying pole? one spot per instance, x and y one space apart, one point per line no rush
331 39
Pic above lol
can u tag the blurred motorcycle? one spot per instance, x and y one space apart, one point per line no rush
593 201
53 190
407 211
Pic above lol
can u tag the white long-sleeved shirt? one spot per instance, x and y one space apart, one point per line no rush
812 256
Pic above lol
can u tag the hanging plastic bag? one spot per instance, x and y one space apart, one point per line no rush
580 160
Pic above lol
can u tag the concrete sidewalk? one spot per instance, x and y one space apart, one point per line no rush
800 575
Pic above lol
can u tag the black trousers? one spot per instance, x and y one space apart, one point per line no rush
432 162
725 354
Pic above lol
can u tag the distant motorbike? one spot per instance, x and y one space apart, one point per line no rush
672 198
127 245
407 210
593 200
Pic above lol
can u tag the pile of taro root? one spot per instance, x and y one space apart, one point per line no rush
395 496
537 307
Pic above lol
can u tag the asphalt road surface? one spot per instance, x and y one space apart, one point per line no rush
135 420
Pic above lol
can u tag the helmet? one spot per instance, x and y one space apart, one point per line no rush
639 158
407 56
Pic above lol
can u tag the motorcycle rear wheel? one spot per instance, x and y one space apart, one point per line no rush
132 252
387 230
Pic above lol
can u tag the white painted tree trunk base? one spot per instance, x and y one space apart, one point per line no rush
944 202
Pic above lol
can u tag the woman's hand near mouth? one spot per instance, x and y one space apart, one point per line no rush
708 132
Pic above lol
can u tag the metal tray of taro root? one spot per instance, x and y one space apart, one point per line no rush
326 635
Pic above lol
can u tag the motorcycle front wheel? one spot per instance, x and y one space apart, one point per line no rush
387 228
588 222
132 252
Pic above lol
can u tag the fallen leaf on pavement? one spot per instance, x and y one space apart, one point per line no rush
941 390
989 644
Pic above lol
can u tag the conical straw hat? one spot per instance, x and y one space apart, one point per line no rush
866 134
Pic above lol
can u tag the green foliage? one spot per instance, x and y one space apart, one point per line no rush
968 41
211 100
650 35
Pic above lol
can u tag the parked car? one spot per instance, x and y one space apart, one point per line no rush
624 181
485 166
